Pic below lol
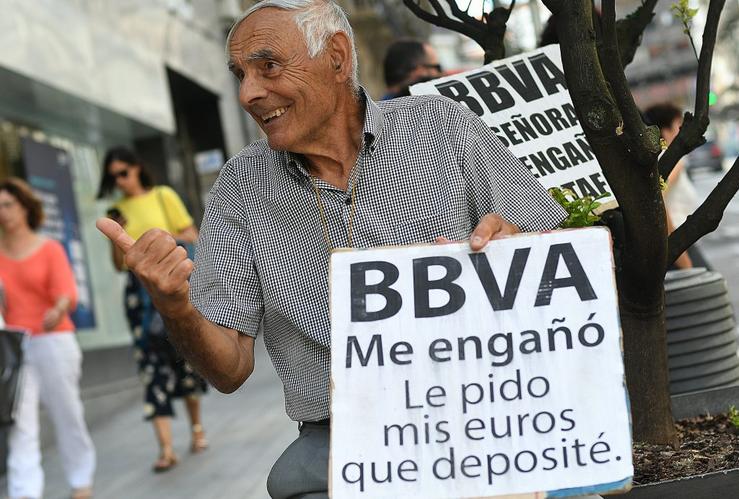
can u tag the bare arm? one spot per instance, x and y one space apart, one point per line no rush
54 315
224 356
189 235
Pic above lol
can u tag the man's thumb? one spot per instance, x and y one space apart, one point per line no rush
115 233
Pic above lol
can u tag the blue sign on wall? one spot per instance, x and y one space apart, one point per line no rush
48 170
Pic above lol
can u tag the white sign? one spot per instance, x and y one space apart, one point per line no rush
525 101
460 374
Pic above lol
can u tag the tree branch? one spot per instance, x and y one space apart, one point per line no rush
630 30
495 28
703 82
438 8
641 143
440 18
633 185
691 133
488 32
707 217
460 14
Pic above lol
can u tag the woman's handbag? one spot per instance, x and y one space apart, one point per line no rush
11 359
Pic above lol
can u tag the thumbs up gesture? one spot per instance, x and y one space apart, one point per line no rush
160 264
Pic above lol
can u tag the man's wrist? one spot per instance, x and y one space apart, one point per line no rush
179 313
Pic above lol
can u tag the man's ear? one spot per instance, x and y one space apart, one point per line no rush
340 51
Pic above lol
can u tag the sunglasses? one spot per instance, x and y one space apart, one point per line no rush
437 67
120 174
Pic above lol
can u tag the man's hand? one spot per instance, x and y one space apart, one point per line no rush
161 265
492 226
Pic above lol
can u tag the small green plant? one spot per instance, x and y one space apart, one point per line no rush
734 416
682 11
579 210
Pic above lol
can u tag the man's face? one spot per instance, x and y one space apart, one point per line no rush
289 95
429 66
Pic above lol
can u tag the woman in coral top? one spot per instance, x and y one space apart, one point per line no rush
165 374
39 294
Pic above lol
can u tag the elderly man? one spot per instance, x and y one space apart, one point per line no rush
336 170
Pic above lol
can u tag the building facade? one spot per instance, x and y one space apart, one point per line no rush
80 76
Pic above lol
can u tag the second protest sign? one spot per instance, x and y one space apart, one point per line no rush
461 374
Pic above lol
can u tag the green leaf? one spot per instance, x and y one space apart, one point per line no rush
733 416
579 210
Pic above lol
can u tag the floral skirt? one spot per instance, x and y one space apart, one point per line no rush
163 372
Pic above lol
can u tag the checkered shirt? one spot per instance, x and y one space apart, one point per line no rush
427 167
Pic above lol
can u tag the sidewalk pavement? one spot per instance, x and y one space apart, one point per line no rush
247 431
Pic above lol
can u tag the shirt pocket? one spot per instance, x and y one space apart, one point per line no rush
427 228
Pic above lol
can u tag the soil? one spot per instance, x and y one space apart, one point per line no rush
708 444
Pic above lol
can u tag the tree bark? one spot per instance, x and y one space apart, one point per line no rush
652 422
644 247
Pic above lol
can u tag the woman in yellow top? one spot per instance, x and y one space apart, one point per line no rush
165 374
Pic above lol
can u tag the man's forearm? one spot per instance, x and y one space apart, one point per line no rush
221 355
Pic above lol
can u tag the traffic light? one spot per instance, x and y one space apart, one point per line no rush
712 98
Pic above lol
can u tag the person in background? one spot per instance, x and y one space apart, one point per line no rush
40 292
165 374
680 197
407 62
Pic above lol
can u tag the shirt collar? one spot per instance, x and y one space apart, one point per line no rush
370 132
372 120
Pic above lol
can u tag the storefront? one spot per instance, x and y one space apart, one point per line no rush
55 140
76 79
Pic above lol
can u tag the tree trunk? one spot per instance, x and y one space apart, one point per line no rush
647 375
640 274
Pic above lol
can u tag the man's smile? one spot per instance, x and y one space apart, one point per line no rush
266 118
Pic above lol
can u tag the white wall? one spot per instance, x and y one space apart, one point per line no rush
113 53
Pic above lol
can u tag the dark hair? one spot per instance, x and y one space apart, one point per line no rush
120 153
21 191
401 58
662 115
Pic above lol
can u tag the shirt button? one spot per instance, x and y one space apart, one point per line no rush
348 201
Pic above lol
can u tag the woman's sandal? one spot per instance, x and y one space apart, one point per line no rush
166 461
199 443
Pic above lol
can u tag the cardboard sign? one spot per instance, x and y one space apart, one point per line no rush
461 374
525 101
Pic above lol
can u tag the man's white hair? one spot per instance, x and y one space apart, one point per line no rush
317 20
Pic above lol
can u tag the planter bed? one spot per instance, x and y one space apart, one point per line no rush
709 486
705 466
